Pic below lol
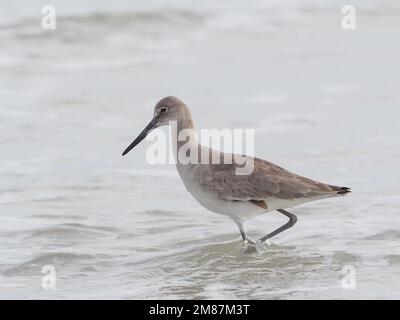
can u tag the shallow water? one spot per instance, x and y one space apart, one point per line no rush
323 103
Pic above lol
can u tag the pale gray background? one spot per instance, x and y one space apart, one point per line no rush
324 103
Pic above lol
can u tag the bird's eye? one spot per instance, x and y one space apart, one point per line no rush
164 110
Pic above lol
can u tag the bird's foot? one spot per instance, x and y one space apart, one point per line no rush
251 246
264 244
248 241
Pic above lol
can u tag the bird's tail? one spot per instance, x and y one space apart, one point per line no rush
341 190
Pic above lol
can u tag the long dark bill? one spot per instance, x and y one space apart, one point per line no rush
141 136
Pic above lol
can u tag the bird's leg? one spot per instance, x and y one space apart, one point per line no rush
243 232
248 245
241 229
292 221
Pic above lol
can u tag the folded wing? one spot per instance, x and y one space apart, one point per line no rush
266 181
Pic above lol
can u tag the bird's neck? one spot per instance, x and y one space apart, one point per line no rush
184 136
186 123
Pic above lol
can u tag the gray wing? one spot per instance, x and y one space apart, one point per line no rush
266 181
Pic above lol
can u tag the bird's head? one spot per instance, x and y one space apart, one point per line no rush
166 110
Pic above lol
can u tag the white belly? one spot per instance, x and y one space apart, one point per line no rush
241 210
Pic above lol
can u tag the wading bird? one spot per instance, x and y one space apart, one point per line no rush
219 188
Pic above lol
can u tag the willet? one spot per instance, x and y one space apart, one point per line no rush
220 189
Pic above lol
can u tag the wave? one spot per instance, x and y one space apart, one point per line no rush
72 231
34 265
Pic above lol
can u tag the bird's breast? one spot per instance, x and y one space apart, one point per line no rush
236 209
